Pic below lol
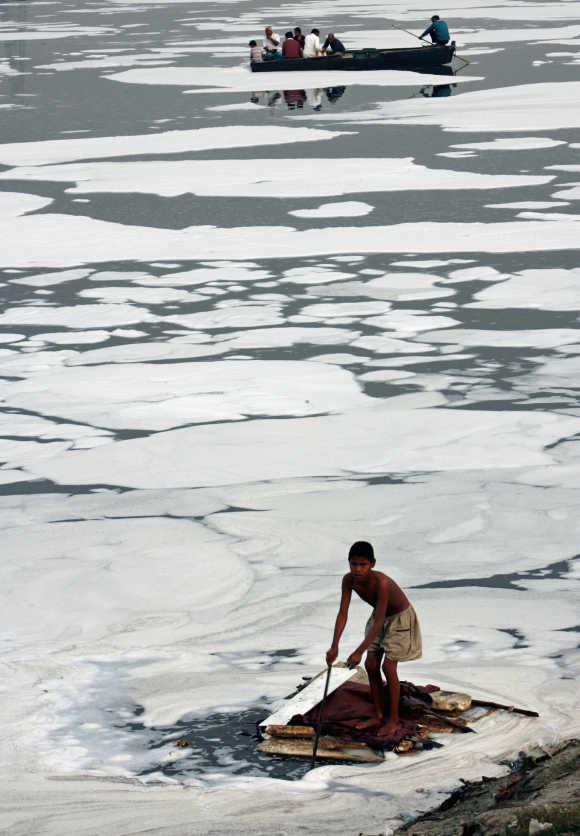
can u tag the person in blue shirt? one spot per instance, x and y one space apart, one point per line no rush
438 31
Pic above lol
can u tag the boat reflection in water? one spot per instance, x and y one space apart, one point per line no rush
315 98
434 91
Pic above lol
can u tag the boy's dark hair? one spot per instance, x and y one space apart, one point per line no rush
435 17
298 29
288 35
316 31
252 43
362 549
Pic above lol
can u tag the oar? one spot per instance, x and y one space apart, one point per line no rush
319 720
400 28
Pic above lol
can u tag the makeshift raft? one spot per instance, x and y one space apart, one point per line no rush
426 710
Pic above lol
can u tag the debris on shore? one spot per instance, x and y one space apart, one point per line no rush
541 794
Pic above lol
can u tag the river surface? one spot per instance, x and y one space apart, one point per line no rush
243 323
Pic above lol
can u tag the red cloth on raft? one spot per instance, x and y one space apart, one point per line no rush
352 702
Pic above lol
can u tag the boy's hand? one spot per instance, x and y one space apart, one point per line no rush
354 659
331 655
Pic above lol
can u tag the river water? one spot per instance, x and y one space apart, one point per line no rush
243 327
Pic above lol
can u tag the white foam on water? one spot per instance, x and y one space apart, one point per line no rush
474 274
232 316
421 265
520 143
539 338
286 336
544 289
456 155
49 279
240 79
315 274
50 34
525 107
403 287
203 275
14 204
333 445
385 375
195 345
90 240
330 310
345 209
11 477
157 58
143 396
53 151
5 68
311 177
73 337
405 322
76 316
526 204
389 343
144 295
568 194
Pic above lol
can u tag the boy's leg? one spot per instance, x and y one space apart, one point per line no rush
394 692
373 667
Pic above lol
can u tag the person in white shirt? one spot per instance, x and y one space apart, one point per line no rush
312 48
271 44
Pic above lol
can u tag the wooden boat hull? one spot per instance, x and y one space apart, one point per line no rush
415 58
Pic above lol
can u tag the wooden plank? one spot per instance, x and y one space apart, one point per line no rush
328 749
290 731
309 696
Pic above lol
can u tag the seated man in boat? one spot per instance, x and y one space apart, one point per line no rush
312 48
256 56
291 48
392 633
333 45
298 36
438 31
271 44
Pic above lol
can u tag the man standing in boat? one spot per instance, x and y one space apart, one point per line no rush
438 31
392 633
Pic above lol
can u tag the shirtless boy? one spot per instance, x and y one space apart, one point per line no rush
392 632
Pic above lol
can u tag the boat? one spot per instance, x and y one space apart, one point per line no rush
413 58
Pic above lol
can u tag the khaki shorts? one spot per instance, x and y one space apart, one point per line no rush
399 638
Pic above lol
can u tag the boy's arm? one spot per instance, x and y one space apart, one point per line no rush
341 620
379 619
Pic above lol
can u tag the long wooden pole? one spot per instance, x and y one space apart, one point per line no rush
319 719
511 708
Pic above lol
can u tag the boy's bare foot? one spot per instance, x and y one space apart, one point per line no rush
390 727
373 723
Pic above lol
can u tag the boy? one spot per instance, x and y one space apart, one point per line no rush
256 56
392 631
